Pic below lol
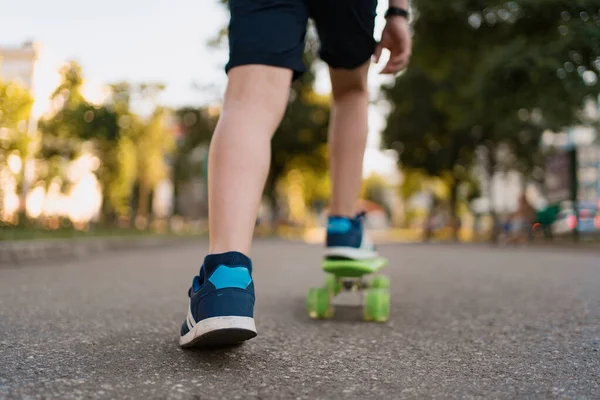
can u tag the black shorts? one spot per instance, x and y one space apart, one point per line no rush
271 32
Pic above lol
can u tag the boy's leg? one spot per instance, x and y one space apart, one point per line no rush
348 131
240 152
347 44
266 45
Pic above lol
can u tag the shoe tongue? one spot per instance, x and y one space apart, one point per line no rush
212 261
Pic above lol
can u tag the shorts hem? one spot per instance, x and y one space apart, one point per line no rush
297 67
353 63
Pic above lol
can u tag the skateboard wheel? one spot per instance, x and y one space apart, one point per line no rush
376 305
380 282
318 303
332 284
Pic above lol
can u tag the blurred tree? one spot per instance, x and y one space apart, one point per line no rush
69 89
422 128
413 182
310 173
146 142
61 141
15 106
153 141
374 189
538 75
111 136
15 110
196 126
75 122
506 73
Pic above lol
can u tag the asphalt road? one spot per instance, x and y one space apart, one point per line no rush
467 322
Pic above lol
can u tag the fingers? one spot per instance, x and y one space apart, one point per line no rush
397 62
393 68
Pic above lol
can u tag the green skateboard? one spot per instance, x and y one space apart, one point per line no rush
349 276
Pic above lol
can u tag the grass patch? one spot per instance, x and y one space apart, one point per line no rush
23 233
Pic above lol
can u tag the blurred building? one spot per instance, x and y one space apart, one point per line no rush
585 140
17 64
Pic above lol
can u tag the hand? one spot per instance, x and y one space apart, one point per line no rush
396 38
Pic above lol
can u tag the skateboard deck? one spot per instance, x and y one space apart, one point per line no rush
353 268
350 276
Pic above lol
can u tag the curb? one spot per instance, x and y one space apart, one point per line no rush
22 252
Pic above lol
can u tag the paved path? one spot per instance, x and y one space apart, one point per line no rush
467 322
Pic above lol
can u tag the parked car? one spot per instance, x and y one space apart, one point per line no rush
588 221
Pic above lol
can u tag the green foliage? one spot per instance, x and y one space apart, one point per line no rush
70 87
413 182
373 189
116 174
153 142
109 128
491 73
310 172
422 125
140 152
196 126
61 134
15 109
15 106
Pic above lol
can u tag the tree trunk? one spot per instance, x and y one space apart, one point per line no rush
108 216
270 192
454 194
144 192
22 190
492 163
143 202
274 206
271 195
453 210
428 231
176 193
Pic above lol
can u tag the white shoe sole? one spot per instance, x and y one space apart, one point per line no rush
351 253
219 331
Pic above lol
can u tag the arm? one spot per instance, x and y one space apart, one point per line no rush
396 38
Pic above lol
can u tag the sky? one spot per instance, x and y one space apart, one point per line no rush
152 40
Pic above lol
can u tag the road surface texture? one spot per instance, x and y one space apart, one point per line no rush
467 322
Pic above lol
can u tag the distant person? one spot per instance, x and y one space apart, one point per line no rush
522 222
266 45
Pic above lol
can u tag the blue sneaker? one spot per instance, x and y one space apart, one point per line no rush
346 239
221 308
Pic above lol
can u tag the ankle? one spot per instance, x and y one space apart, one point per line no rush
342 210
340 215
